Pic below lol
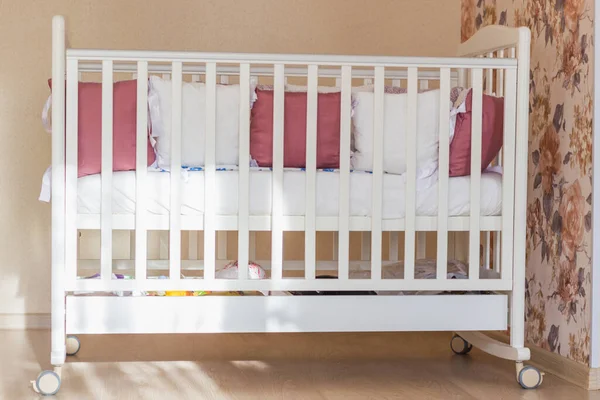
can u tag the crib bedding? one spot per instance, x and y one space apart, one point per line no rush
327 193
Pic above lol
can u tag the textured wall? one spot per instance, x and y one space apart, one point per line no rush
400 27
559 219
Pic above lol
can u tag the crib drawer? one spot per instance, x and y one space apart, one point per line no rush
215 314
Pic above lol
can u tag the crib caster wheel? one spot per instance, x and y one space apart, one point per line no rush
47 383
460 346
529 377
73 345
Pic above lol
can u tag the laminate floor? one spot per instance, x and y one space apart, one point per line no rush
268 366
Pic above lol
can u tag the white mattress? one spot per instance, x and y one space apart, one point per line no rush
89 191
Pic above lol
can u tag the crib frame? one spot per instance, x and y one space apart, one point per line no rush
496 55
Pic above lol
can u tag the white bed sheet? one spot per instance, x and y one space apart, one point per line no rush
89 193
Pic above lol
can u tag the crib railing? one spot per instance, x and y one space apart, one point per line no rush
312 67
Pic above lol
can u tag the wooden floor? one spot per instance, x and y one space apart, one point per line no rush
311 366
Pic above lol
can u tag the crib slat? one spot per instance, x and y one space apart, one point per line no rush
376 214
476 132
497 251
394 253
444 164
222 245
311 174
487 250
411 174
141 237
252 246
344 210
423 84
421 238
244 174
193 245
500 76
210 171
365 246
508 173
277 189
71 172
396 82
175 203
106 169
489 78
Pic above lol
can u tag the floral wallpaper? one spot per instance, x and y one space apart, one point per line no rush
559 219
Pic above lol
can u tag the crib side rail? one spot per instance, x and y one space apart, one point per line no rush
382 70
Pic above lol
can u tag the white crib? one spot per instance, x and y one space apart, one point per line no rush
495 60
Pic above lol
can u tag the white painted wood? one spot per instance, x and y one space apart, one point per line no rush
252 246
222 245
489 78
377 194
411 175
476 140
508 173
195 78
423 84
421 238
343 227
193 245
277 189
290 284
487 256
310 234
362 65
443 177
175 201
58 348
497 251
368 81
462 77
335 246
163 238
489 39
210 172
365 244
285 314
88 267
396 82
71 232
496 348
106 169
246 245
290 223
517 303
500 76
141 235
224 79
394 245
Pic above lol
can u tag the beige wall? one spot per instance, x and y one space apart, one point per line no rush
400 27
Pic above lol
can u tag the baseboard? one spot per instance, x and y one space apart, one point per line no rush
555 364
24 321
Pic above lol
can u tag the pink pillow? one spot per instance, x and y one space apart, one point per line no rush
492 135
124 127
294 136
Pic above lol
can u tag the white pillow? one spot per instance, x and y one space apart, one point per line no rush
193 122
394 132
